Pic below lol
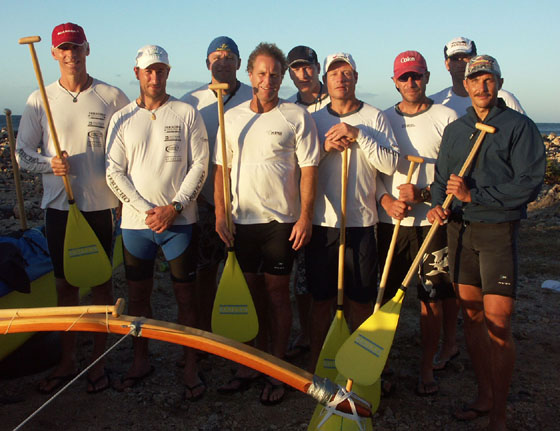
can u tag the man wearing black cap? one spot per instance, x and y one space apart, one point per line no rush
457 53
483 228
223 62
304 70
82 107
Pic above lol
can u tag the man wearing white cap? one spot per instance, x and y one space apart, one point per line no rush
346 123
418 124
223 62
157 160
483 228
457 53
81 107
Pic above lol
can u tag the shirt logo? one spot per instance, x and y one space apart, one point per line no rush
274 132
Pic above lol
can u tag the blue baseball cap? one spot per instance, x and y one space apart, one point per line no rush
222 43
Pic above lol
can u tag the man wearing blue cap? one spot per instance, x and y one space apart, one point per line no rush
483 228
223 62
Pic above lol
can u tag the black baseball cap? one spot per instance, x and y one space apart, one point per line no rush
302 54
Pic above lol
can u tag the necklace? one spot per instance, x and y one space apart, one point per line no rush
141 104
75 98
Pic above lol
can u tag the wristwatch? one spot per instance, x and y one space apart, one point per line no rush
425 194
177 206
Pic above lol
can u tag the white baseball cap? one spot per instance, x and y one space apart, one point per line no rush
151 54
339 56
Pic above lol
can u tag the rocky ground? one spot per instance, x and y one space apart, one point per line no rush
157 403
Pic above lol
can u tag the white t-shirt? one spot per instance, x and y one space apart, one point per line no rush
81 128
206 102
460 104
313 107
417 135
265 152
153 162
375 150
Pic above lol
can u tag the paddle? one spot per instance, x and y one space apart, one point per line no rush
234 314
338 331
363 355
17 181
85 262
383 284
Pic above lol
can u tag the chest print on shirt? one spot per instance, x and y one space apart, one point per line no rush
96 138
96 119
172 137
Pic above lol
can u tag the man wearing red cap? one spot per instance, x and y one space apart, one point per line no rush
346 123
418 125
82 107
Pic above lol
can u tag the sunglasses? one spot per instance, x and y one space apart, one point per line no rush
413 75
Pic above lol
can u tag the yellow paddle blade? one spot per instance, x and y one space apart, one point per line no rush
337 335
335 423
234 315
85 262
364 354
117 252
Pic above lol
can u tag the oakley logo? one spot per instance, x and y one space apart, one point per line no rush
172 148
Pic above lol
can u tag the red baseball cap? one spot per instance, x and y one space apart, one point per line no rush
68 33
409 61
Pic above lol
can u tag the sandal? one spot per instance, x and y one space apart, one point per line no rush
202 383
271 387
131 381
53 383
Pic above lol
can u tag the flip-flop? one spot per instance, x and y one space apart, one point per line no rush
94 383
469 413
59 381
442 365
271 388
121 385
426 389
244 383
202 383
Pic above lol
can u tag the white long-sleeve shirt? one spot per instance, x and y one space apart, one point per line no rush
153 162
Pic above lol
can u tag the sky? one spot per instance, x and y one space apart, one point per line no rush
521 35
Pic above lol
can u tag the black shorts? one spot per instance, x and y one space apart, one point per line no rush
360 263
55 230
433 283
211 249
484 255
264 247
182 267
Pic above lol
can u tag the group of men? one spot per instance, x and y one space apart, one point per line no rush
158 156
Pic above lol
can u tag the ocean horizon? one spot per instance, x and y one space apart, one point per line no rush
544 128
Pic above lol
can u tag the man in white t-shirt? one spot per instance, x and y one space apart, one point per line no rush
346 123
418 125
273 153
81 107
157 159
223 62
304 69
457 53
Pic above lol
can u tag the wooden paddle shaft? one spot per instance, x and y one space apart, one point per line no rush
115 310
342 239
484 128
219 89
30 41
414 160
17 180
